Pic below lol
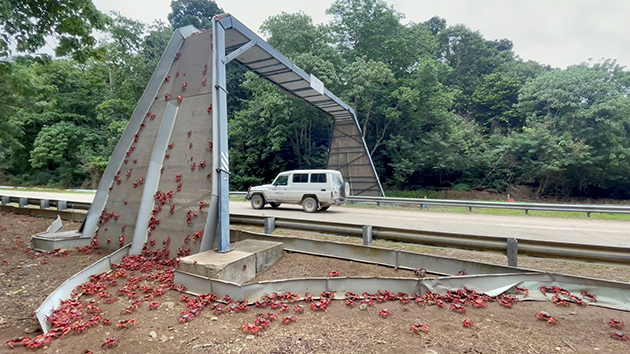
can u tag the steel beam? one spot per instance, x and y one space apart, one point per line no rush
220 158
153 178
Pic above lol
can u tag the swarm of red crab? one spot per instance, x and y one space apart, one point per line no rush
143 278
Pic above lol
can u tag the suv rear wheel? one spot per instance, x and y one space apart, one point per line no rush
309 205
258 202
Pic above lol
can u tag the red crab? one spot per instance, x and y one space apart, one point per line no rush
525 291
458 308
123 323
590 297
619 335
385 312
467 323
38 341
544 316
333 274
110 342
318 306
18 341
616 323
289 319
252 328
420 327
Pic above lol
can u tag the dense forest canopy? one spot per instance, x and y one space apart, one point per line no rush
439 105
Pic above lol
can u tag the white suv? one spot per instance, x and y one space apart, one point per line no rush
313 189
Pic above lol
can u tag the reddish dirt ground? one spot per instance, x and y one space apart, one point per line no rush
340 329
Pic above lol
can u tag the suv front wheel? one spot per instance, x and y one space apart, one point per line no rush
309 204
258 202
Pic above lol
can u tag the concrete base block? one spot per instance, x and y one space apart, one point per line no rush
247 259
66 240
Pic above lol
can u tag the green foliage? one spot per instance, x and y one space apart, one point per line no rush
27 23
494 103
198 13
372 29
242 183
439 106
414 194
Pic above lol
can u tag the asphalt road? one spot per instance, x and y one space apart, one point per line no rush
587 231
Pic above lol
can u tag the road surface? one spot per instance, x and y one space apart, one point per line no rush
586 231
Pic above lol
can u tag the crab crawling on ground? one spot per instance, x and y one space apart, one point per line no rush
467 323
124 323
619 336
544 316
251 328
110 342
18 341
39 341
420 327
385 312
616 323
289 319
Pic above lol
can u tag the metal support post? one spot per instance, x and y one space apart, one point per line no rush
44 204
23 202
270 225
5 200
367 235
220 160
512 252
62 205
153 179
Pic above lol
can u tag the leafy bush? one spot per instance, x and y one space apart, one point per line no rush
241 183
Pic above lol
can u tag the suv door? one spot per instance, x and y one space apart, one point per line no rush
320 185
299 186
278 190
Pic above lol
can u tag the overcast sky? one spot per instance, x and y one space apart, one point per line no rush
554 32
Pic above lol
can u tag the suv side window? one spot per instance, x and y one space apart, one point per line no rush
300 178
318 178
282 181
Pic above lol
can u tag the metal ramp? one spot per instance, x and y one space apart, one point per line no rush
166 186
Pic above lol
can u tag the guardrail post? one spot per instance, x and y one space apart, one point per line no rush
588 214
23 202
270 225
62 205
512 252
526 212
5 200
367 235
44 204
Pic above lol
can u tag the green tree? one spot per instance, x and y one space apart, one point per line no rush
274 132
27 24
198 13
431 145
586 104
494 103
367 91
372 29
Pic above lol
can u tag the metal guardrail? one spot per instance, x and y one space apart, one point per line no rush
577 208
549 249
380 201
563 250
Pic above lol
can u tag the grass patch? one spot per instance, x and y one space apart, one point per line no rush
545 214
506 212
